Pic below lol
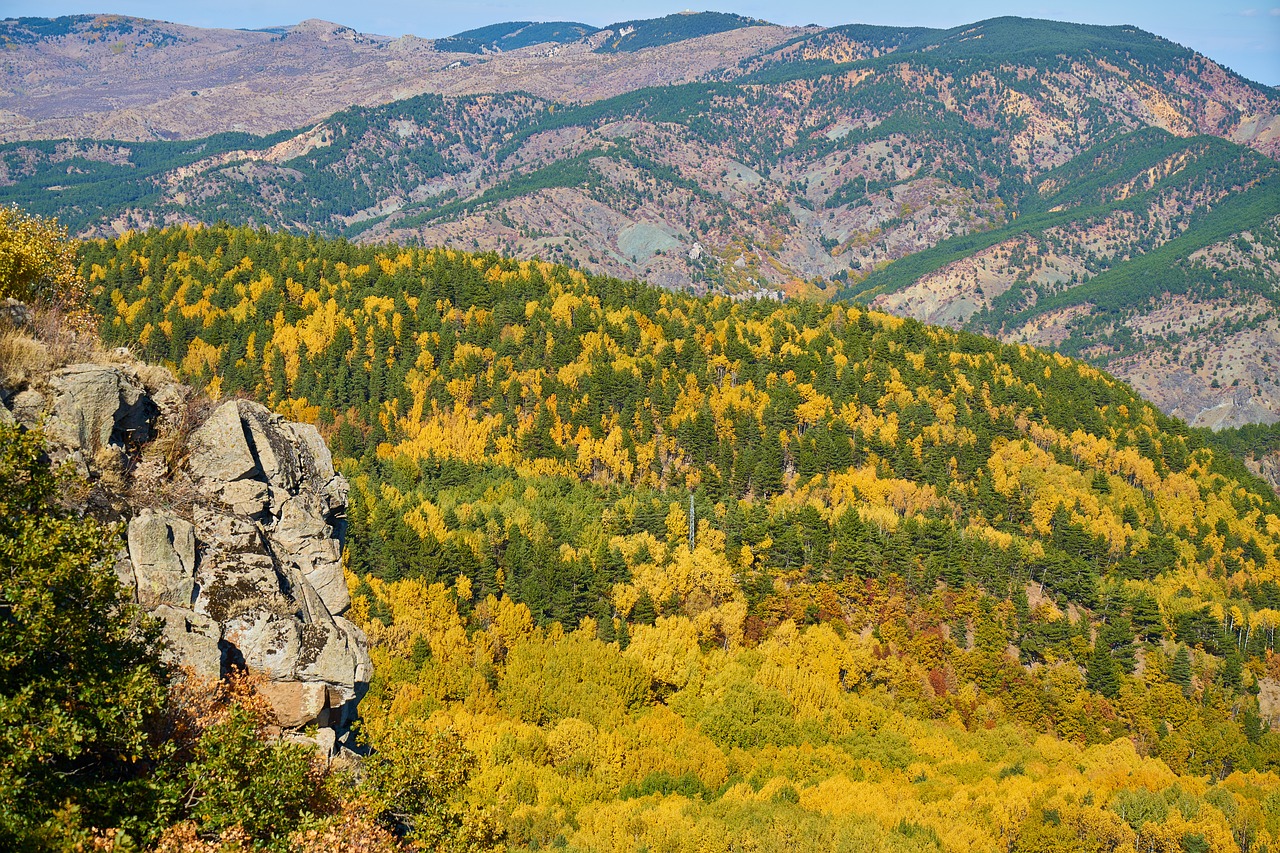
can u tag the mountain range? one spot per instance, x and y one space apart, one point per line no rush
1098 190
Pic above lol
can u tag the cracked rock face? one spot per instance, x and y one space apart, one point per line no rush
270 563
96 405
162 551
248 570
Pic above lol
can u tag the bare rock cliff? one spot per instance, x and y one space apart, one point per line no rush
234 522
1267 467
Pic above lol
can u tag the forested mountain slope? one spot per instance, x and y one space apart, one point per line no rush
540 432
1095 189
631 36
1153 256
514 35
978 535
1257 445
541 369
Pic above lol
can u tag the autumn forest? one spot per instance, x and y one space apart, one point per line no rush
702 573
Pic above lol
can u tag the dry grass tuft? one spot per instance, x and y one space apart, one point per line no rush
21 358
152 376
65 335
46 339
178 421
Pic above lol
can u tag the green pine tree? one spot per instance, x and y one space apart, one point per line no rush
1145 615
1100 673
1232 669
1180 670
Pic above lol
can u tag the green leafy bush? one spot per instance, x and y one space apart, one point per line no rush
413 778
79 675
240 777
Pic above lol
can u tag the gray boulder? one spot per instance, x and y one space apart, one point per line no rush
360 644
219 450
296 703
274 446
95 405
249 498
326 742
326 654
231 585
14 312
318 462
311 548
162 550
192 640
28 407
226 532
266 642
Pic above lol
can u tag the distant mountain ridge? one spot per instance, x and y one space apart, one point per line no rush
116 77
32 30
1099 190
622 37
630 36
514 35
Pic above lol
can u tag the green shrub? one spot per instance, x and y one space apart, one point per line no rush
241 778
78 680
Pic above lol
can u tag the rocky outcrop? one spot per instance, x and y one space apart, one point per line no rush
95 405
270 572
1266 466
233 532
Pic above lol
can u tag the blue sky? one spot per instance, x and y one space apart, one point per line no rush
1244 35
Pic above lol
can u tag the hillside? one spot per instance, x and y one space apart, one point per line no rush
1094 189
927 574
631 36
514 35
1257 445
1153 256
